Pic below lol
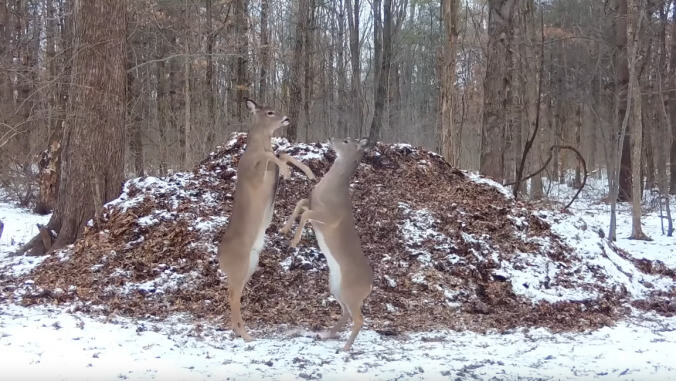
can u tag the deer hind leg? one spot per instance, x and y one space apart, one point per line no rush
354 308
340 324
290 159
301 206
235 299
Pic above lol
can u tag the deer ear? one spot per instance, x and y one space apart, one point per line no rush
251 105
363 142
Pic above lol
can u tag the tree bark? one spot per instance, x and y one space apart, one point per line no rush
450 18
633 30
577 182
296 77
672 105
353 22
500 14
135 123
384 36
622 79
242 21
93 144
209 74
187 111
265 53
308 61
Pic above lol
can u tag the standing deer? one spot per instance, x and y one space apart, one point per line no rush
257 175
330 212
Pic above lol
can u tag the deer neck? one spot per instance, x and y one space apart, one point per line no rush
259 141
342 170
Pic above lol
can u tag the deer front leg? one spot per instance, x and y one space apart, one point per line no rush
301 206
290 159
307 215
283 167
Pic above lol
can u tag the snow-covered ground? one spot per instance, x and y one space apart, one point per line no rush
49 343
52 342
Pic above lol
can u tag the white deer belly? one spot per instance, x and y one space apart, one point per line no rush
259 243
334 267
255 251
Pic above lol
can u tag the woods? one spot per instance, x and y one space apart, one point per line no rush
93 93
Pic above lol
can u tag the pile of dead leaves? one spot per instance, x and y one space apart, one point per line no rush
434 237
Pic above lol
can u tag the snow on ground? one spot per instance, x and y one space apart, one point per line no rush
596 212
56 343
19 228
49 343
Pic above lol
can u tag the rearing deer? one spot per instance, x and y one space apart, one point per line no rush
257 176
330 212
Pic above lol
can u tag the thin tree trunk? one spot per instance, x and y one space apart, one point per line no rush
577 182
187 126
342 125
296 92
450 18
265 53
383 74
135 122
637 130
162 103
672 105
357 122
622 81
308 60
209 76
242 29
648 154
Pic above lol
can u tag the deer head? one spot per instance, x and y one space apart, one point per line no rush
265 119
348 148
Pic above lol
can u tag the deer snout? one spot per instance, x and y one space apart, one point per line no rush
286 121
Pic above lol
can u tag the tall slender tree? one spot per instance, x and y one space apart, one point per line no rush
450 17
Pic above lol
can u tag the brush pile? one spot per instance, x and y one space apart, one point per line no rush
450 250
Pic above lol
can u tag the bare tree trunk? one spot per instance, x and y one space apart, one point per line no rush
648 154
209 74
187 126
622 79
265 53
93 145
450 17
353 10
577 182
242 26
135 122
308 60
382 59
672 105
342 125
162 103
637 130
296 76
500 14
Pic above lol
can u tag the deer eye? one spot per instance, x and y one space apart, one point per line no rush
271 113
345 141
